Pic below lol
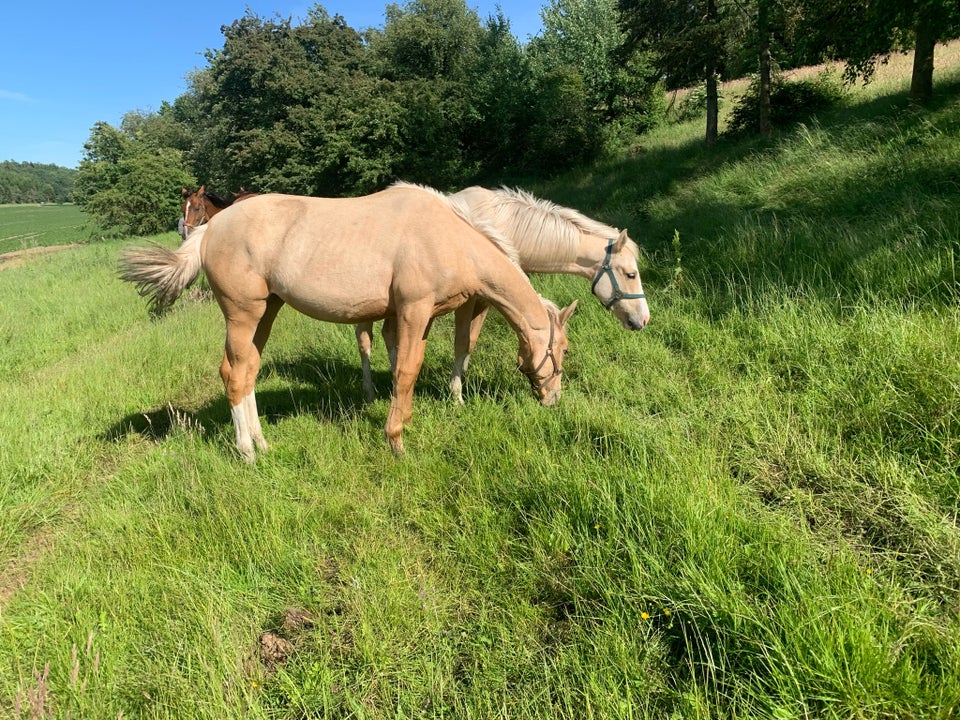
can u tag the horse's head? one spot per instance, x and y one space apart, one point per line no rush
194 209
243 194
544 365
617 283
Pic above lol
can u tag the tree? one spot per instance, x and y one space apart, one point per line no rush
128 184
861 32
35 182
586 36
689 41
503 97
430 51
292 109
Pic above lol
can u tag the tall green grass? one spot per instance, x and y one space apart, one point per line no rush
747 510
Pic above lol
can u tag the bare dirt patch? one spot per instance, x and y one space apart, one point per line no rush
18 257
15 575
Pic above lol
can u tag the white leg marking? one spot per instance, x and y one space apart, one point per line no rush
244 443
253 421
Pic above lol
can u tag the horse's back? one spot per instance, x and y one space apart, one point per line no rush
339 259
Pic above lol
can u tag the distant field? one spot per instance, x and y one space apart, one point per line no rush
28 226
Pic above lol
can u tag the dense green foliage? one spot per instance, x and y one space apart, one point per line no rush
128 179
439 96
28 182
747 510
790 102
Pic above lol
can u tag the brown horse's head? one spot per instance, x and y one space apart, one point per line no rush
199 206
193 209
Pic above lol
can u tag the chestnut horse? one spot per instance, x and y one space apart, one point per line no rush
200 205
548 238
407 253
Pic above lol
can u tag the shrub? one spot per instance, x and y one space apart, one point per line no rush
790 102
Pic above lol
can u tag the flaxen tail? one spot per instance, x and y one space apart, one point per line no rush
161 274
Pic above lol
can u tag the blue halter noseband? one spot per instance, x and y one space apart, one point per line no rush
618 294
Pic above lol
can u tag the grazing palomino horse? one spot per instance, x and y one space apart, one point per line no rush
200 205
548 238
406 252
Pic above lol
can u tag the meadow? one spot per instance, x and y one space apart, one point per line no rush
747 510
26 227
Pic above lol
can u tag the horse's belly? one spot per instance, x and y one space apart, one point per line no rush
338 307
333 289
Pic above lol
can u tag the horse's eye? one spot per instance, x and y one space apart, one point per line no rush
631 276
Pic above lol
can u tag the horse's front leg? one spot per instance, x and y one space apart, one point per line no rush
469 319
413 325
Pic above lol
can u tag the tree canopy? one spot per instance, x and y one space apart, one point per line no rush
35 183
441 96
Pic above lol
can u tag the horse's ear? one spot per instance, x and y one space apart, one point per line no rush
566 313
184 193
621 241
201 190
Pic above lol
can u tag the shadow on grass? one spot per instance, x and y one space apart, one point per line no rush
320 384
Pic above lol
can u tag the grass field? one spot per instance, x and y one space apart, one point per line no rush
748 510
23 227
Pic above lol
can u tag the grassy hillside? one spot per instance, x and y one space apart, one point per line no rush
747 510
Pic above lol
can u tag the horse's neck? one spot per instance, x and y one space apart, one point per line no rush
505 287
583 259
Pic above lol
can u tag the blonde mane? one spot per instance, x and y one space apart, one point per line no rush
542 230
483 225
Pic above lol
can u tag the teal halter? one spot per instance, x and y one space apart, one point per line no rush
618 294
537 386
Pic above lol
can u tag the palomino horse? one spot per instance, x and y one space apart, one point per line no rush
548 238
200 205
407 252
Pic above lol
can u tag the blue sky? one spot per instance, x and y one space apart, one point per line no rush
65 65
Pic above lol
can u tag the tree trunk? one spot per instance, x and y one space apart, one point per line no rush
713 106
713 96
763 30
921 84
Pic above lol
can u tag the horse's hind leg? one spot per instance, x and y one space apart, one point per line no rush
364 332
259 342
469 319
233 371
248 326
389 333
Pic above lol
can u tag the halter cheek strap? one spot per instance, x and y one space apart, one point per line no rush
618 294
557 370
